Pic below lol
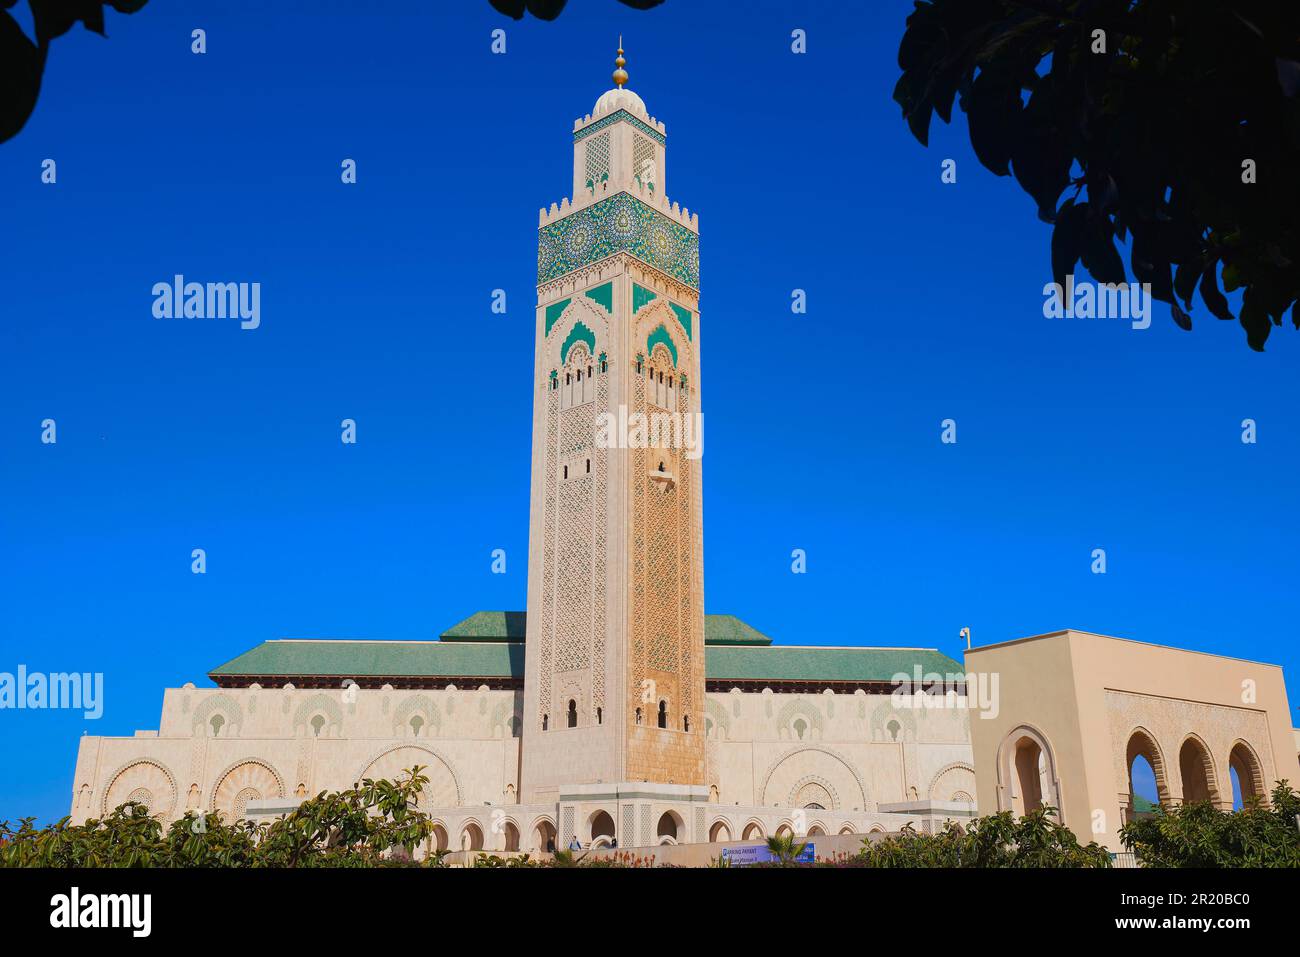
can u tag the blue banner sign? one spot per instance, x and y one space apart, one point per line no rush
759 854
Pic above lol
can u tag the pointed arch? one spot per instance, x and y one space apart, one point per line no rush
1250 771
1196 770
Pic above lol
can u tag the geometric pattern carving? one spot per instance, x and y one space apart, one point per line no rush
833 771
643 161
442 789
324 705
615 117
598 160
244 781
954 779
231 715
145 781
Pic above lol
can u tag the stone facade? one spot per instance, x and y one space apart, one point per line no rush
243 750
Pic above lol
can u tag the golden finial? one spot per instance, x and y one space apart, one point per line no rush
620 74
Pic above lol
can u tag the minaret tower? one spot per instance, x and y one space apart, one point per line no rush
614 672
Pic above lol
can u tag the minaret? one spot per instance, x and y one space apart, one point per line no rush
614 672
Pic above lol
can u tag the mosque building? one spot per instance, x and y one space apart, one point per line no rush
615 710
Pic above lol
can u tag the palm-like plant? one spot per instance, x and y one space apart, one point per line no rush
785 848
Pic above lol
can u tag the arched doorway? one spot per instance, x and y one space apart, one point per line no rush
471 839
1246 774
1027 774
544 836
1029 777
668 829
439 839
753 832
602 829
719 832
511 837
1197 770
815 831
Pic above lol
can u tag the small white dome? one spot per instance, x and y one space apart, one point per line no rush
617 99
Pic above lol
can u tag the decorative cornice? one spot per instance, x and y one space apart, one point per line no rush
613 118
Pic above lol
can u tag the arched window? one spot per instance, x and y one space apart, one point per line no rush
659 376
663 714
511 837
638 715
1197 770
719 832
686 722
1147 788
579 385
573 713
545 722
600 716
1247 776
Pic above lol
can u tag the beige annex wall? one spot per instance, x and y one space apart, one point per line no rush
1086 695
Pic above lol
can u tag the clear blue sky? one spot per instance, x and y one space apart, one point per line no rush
924 302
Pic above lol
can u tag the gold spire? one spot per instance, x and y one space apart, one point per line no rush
620 74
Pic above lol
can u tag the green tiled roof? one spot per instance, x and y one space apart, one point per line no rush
360 659
730 630
511 626
499 659
795 663
489 626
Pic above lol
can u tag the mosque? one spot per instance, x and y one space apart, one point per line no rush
615 711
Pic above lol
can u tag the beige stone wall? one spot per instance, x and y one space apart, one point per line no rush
845 752
232 749
221 748
1083 698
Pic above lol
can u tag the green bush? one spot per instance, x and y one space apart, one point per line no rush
1200 835
373 824
999 840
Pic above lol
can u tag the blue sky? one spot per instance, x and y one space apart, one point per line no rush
924 303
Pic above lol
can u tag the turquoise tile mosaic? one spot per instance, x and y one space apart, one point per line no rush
621 223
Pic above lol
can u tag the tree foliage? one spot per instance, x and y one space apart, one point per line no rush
998 840
1200 835
1150 115
22 60
550 9
372 824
